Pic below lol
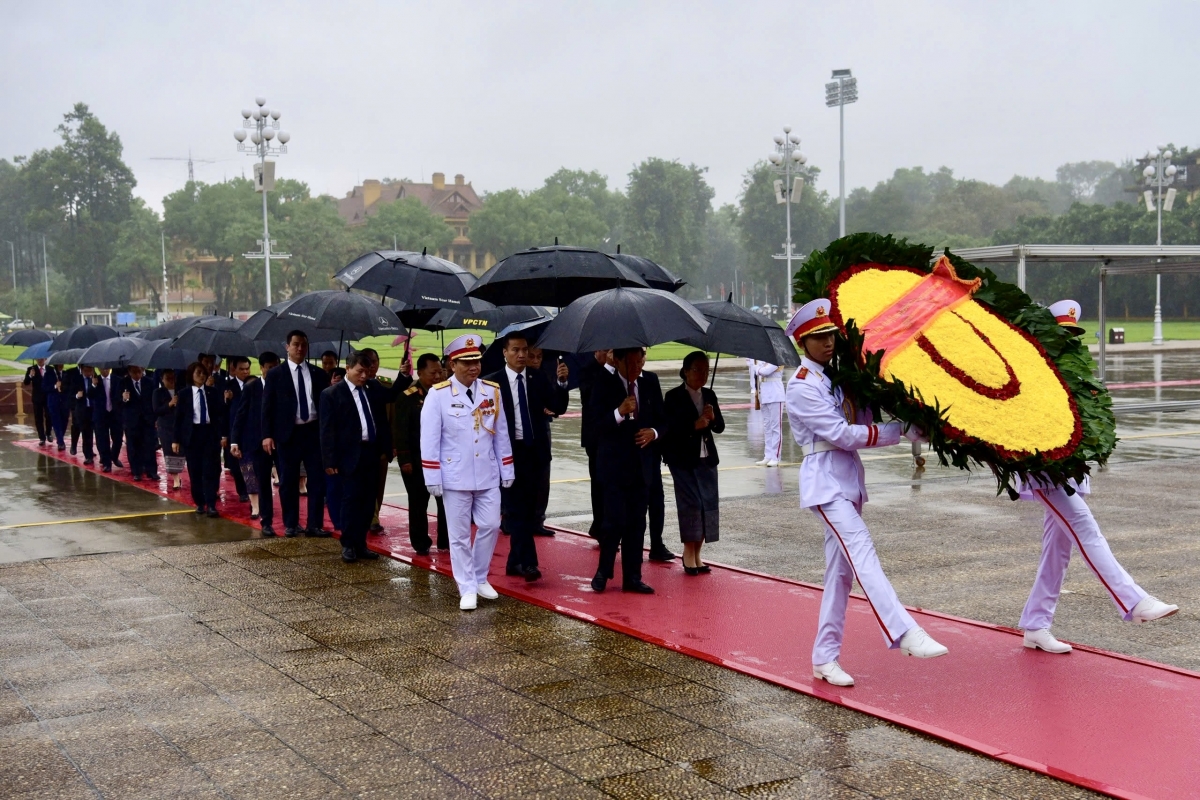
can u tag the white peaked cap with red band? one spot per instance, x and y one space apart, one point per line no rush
811 318
1068 313
468 347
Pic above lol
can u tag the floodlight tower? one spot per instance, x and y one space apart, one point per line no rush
841 92
263 126
786 161
1159 173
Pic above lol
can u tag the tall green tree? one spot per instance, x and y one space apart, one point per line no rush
137 254
666 213
319 241
408 224
223 220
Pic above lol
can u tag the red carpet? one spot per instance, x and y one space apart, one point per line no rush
1108 722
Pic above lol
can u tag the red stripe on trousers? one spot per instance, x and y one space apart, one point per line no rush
1082 552
878 618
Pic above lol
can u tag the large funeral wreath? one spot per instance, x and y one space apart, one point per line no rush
990 376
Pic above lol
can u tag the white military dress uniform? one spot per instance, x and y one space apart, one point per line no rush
465 452
771 398
833 486
1068 521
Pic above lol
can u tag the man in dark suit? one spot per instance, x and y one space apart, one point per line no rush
138 420
78 381
406 446
245 440
290 410
384 391
588 377
105 396
41 416
652 470
57 403
354 436
627 417
199 427
231 388
529 403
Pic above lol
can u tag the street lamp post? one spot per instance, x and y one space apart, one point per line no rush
1159 173
786 161
12 251
841 92
263 126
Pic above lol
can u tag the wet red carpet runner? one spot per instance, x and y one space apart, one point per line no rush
1112 723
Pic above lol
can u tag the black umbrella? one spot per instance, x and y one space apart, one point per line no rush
421 317
218 336
492 318
734 330
112 353
65 357
176 327
82 337
617 318
417 280
26 338
656 276
552 276
162 354
324 315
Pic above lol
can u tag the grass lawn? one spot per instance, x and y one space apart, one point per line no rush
10 353
1142 330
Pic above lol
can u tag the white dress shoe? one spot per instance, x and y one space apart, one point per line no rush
832 673
916 642
1151 608
772 463
467 602
1044 640
762 463
487 592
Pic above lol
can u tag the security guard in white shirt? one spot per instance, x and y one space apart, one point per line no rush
830 431
771 399
466 457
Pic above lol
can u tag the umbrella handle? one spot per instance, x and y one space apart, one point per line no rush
713 379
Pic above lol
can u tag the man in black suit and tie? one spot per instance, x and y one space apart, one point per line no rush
245 440
627 416
105 397
652 471
231 387
355 444
199 428
41 416
290 406
588 377
138 420
529 403
80 380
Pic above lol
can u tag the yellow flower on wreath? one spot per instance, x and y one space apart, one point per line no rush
995 382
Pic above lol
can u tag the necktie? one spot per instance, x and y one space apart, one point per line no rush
470 396
366 409
300 394
523 404
203 409
107 396
637 412
137 387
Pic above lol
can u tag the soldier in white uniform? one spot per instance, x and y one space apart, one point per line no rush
752 366
771 398
1068 521
830 430
466 457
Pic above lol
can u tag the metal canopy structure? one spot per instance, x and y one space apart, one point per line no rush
1114 259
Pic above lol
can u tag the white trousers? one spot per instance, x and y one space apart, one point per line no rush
849 556
1069 522
470 561
772 419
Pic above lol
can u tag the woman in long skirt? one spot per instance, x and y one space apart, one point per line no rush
693 416
165 403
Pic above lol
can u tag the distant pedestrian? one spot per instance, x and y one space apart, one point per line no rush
80 380
245 433
771 399
105 398
138 420
41 415
165 403
198 426
57 404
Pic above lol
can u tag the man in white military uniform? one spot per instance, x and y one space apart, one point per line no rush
771 398
830 430
1068 521
466 457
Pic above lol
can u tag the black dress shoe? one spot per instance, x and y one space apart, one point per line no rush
543 532
213 513
291 533
199 510
73 449
62 447
599 582
376 528
690 570
515 572
532 574
106 469
254 516
153 478
637 588
662 555
317 533
369 555
243 498
87 462
267 530
422 552
348 555
118 464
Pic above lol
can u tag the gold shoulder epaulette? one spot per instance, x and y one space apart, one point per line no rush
412 389
442 385
490 383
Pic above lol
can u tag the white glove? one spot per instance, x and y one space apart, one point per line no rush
914 434
506 484
434 489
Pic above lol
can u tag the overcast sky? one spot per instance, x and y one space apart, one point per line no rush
508 92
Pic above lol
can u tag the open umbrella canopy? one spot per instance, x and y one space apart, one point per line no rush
61 357
552 276
26 338
655 275
176 327
734 330
34 352
324 315
219 336
112 353
417 280
82 337
162 354
492 318
617 318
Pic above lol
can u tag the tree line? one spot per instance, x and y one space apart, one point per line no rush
77 201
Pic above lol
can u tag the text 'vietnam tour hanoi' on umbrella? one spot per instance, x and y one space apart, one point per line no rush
617 318
552 276
418 280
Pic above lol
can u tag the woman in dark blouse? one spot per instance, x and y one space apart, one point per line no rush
693 416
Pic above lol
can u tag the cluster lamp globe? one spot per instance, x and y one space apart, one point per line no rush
261 126
1159 173
786 161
